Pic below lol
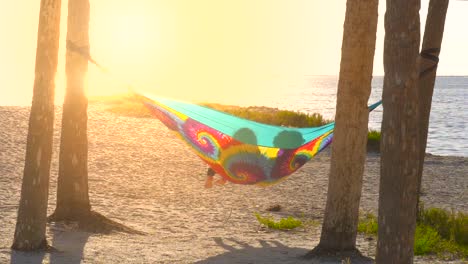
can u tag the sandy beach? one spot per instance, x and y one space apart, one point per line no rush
142 176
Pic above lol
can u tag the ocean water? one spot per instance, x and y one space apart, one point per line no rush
448 130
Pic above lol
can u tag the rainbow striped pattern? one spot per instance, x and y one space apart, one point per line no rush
237 161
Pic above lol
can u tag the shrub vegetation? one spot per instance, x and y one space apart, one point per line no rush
438 231
123 105
272 116
126 105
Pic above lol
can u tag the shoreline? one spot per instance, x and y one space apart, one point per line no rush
105 103
142 176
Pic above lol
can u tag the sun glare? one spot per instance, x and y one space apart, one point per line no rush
126 41
132 34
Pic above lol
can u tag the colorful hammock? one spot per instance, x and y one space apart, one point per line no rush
240 150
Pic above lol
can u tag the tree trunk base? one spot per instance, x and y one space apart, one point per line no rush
43 247
94 222
321 254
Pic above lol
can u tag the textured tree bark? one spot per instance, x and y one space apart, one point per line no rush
339 228
32 212
400 154
430 50
72 187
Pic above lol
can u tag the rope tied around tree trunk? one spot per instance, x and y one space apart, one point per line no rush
84 52
432 55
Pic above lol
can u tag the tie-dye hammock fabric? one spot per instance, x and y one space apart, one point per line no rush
240 150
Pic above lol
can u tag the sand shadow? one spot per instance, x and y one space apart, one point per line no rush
69 246
268 252
19 257
320 255
96 223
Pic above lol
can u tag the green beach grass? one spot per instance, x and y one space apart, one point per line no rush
438 232
285 223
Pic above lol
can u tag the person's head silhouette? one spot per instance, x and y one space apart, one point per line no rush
288 139
245 135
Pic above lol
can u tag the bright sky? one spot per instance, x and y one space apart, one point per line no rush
206 49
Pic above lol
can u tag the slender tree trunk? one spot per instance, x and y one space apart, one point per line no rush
400 153
339 228
72 189
32 212
431 45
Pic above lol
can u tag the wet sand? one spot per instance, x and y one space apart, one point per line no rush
141 175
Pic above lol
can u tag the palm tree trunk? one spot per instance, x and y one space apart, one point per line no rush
339 228
72 188
32 212
400 153
432 42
